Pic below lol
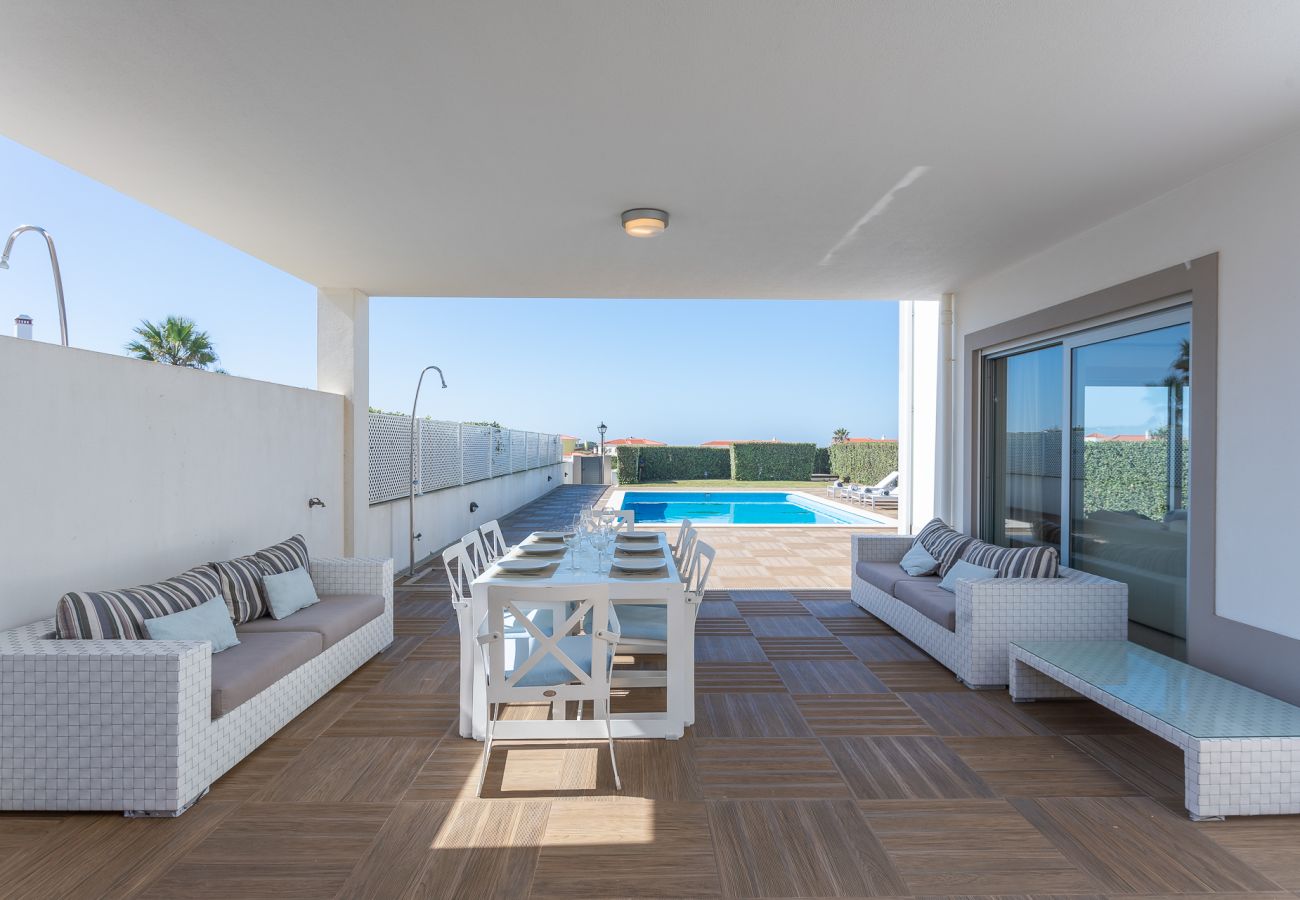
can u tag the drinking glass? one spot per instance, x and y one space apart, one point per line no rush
600 540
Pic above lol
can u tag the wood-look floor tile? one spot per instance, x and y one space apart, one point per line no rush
1152 765
799 848
350 770
257 770
737 678
727 650
1070 716
761 596
722 627
1269 843
837 715
905 768
20 831
971 847
829 609
312 722
439 647
422 677
748 715
276 850
923 676
766 768
89 856
829 677
884 648
517 770
756 608
1133 845
398 715
628 847
720 609
1039 766
366 678
431 604
394 864
968 714
787 626
859 625
804 649
485 849
401 647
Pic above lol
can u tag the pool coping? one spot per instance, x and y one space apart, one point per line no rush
615 501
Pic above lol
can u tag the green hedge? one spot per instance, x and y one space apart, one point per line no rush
822 461
772 462
1130 476
640 464
864 462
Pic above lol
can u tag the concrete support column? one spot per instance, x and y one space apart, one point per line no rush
343 367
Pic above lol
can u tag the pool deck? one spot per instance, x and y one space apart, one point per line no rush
778 557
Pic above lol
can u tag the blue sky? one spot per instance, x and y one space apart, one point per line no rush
678 371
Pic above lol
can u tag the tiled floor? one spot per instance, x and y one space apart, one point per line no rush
829 758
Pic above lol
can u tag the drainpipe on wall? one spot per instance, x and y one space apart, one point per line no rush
945 432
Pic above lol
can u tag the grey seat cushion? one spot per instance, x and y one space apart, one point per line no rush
883 575
926 597
333 618
257 662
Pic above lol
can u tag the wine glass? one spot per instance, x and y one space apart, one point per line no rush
599 540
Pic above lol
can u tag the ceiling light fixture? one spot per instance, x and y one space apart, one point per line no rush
645 223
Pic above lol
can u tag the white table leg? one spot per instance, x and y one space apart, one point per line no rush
680 655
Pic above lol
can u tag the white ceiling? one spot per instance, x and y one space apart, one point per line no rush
487 148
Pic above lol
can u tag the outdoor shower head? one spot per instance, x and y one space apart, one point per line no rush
54 270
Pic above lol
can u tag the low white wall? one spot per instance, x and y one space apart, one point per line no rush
443 516
118 472
1248 211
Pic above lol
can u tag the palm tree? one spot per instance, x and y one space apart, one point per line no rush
839 436
176 342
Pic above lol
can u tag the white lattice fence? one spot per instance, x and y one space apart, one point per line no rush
448 454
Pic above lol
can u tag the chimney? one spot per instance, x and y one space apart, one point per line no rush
23 327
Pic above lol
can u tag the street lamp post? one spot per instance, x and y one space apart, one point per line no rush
602 429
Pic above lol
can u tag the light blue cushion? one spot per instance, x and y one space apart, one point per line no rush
549 671
968 571
289 592
209 621
917 562
645 622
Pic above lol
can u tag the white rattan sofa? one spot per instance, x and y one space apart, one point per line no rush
970 635
129 724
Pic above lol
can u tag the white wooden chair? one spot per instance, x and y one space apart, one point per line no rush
622 519
475 553
529 660
686 540
644 626
459 575
494 542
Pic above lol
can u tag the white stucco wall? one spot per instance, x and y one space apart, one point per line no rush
116 472
1248 211
918 370
443 516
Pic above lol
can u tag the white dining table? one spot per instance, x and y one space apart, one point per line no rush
664 587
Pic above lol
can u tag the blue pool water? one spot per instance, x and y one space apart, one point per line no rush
740 508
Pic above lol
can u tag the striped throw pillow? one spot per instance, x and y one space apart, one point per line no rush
945 545
1014 562
120 615
241 586
284 556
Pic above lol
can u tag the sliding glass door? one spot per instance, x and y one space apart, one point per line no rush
1122 393
1129 474
1022 487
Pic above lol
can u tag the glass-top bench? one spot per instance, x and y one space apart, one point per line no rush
1241 748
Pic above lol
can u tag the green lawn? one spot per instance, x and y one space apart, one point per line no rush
818 487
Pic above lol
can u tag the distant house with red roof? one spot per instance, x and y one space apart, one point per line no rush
1097 437
881 440
730 443
613 445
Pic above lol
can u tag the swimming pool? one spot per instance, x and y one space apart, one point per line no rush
741 508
